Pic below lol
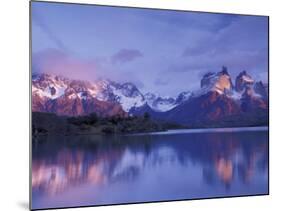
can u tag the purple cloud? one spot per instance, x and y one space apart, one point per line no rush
191 44
126 55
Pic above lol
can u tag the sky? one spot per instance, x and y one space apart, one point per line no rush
161 51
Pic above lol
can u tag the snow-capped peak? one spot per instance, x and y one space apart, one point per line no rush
183 96
46 85
242 81
127 95
158 103
219 82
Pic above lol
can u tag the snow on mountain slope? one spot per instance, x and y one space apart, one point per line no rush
47 87
245 83
53 87
150 98
49 92
158 103
164 105
242 81
128 96
167 103
219 82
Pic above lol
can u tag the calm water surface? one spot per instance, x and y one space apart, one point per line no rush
95 170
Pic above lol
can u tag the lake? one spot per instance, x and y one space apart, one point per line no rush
87 170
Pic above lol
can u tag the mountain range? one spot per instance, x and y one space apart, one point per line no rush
217 100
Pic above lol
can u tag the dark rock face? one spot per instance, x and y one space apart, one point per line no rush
65 106
140 111
206 80
221 103
243 80
130 90
38 103
211 106
261 89
217 101
53 91
250 103
74 106
69 98
220 81
103 108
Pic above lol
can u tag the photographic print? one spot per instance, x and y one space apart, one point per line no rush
135 105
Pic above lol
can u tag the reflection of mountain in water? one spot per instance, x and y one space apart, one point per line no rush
61 163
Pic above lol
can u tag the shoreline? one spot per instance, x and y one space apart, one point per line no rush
207 130
168 131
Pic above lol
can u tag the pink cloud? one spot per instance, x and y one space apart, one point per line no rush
56 62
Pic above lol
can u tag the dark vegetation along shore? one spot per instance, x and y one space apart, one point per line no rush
50 123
